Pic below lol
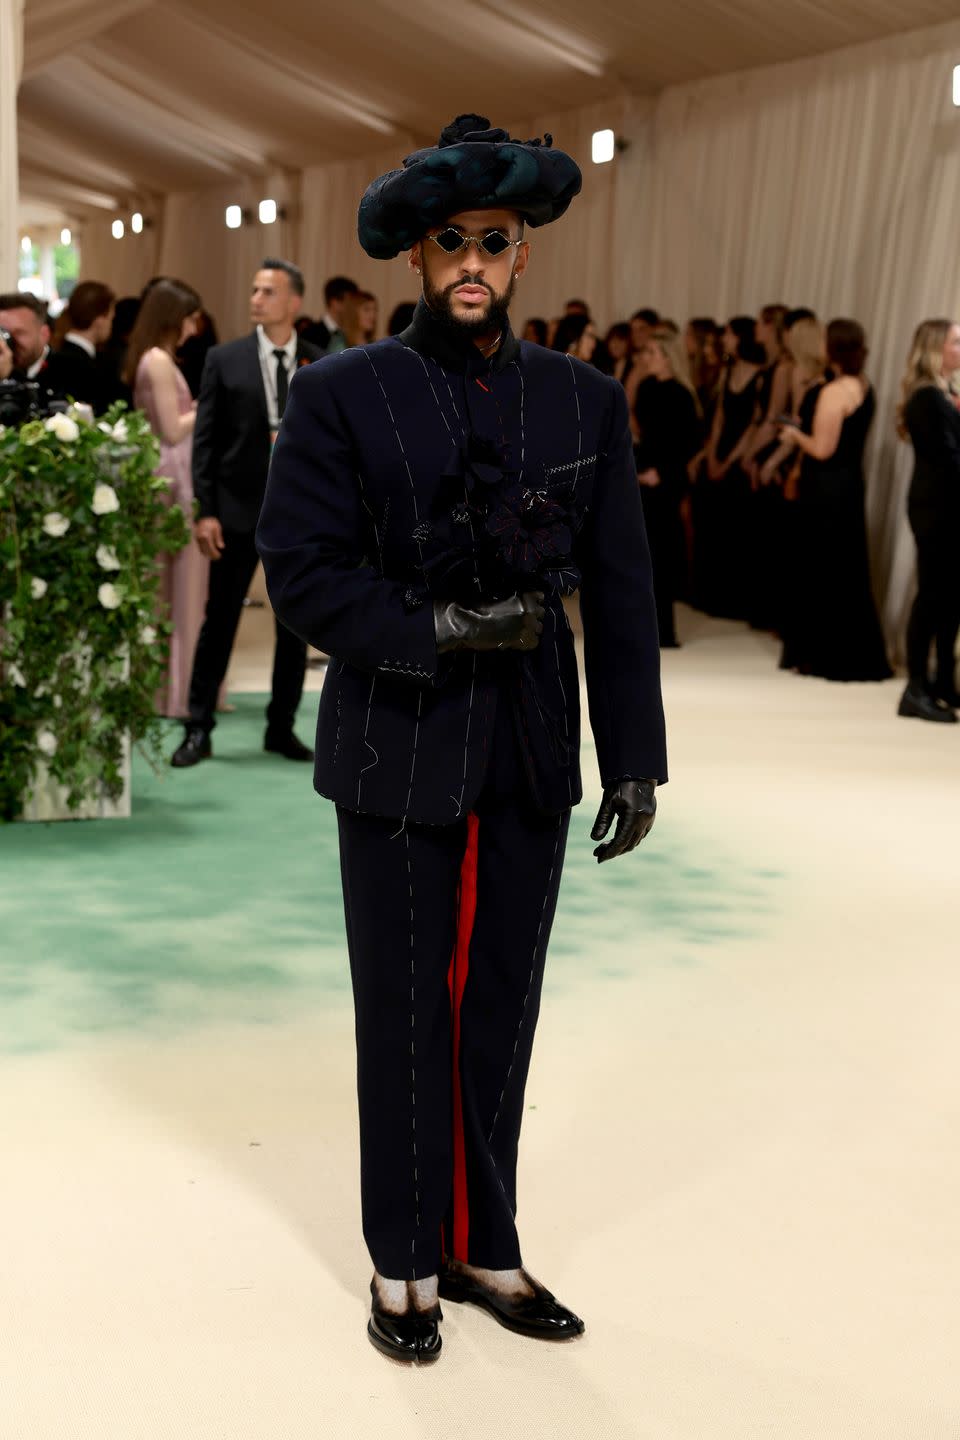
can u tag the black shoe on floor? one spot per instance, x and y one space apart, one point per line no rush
287 745
413 1337
194 747
539 1315
919 704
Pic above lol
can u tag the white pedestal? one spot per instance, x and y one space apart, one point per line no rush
49 800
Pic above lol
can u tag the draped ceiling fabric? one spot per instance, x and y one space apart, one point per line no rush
763 161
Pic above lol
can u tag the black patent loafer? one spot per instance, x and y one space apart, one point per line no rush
540 1315
194 747
413 1337
919 704
287 745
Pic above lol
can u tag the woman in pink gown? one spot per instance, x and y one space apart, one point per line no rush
167 317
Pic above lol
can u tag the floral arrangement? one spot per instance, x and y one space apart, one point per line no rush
83 647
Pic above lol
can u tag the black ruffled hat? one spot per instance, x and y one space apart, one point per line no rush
472 167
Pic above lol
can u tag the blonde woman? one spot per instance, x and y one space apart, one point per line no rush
928 417
806 345
670 429
836 631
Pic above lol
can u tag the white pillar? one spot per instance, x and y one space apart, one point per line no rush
11 62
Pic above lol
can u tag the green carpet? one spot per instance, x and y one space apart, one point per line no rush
220 900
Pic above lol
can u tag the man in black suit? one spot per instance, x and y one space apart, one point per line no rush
327 334
90 316
242 398
431 499
24 317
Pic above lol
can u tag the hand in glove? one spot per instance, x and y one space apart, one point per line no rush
514 624
634 803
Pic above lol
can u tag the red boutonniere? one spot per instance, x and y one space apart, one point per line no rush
304 360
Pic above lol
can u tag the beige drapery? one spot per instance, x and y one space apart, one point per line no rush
832 182
11 60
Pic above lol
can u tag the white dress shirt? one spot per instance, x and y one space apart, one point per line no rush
77 339
34 370
268 369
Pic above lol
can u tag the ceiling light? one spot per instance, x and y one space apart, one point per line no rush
603 146
66 238
268 212
117 228
26 244
233 217
136 222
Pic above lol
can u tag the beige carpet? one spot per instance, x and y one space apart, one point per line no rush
740 1159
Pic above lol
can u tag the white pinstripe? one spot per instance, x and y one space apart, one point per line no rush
533 967
413 1063
566 721
576 396
376 757
523 442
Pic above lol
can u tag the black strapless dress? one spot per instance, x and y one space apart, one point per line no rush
834 629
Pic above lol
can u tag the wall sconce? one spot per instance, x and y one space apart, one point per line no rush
270 212
604 145
117 229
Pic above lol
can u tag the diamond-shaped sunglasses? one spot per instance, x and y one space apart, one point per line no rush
494 243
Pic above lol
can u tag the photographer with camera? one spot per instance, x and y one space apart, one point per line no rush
24 318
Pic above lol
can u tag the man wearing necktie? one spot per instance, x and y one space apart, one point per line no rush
243 395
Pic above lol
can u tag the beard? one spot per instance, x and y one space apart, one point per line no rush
479 322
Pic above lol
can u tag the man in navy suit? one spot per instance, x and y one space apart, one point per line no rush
243 395
432 498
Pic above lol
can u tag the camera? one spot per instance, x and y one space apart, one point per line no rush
23 400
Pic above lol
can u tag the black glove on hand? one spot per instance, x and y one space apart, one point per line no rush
514 624
634 803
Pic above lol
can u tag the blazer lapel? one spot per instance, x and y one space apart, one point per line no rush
255 379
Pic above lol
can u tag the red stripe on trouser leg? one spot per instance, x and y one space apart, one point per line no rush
457 979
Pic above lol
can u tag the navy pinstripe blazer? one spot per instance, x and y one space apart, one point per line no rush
366 437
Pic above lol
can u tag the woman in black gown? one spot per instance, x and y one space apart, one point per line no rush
929 416
834 631
720 503
671 432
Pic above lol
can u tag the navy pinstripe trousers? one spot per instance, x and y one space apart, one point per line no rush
447 928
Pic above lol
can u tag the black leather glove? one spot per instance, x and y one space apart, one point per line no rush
634 803
514 624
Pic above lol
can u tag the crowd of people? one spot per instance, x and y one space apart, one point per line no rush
749 444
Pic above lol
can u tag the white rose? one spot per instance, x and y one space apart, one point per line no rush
55 524
38 588
105 500
47 742
17 675
107 558
119 431
57 702
102 425
63 427
148 635
109 596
